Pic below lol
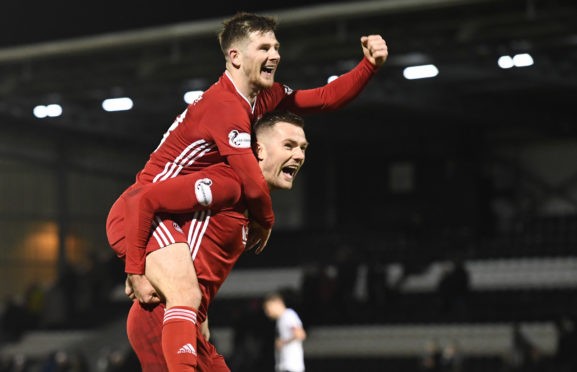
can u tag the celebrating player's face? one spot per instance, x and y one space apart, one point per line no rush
260 58
281 153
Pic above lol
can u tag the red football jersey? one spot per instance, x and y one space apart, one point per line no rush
217 128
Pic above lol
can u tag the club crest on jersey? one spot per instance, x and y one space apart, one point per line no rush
238 139
287 90
177 227
203 191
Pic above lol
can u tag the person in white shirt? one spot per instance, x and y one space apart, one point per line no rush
289 356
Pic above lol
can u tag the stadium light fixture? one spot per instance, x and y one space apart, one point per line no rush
332 78
54 110
519 60
191 96
117 104
47 111
505 62
420 72
523 60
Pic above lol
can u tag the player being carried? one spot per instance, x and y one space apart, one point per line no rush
216 128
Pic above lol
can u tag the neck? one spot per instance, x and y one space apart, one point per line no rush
242 85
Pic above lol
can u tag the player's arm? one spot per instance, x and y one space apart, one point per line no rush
344 89
257 197
298 333
137 287
215 187
233 139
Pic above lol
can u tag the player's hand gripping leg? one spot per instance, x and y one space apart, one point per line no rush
137 287
258 237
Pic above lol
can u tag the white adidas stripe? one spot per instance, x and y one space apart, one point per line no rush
187 157
158 235
158 240
177 160
190 158
187 349
181 314
199 240
196 231
161 233
201 154
166 231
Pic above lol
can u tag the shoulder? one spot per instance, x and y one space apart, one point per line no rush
217 106
276 90
291 315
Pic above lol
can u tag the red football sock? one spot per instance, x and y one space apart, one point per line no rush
179 339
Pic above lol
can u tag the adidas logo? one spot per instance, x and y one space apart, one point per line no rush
187 349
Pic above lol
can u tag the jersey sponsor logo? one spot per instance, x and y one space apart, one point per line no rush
238 139
287 90
187 349
203 191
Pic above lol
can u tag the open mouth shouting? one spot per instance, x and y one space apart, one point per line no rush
290 171
268 71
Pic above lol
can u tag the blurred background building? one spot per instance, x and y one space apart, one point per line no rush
433 227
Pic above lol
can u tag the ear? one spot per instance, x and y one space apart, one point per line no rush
259 151
234 57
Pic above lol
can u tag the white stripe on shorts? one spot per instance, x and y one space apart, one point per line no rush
161 233
196 231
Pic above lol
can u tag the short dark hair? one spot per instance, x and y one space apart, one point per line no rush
269 119
272 296
241 25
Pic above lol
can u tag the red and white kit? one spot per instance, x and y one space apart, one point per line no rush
216 128
216 239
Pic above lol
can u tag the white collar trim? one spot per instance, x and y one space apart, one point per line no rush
240 93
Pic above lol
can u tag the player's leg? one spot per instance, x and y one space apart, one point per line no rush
171 272
144 329
115 231
209 360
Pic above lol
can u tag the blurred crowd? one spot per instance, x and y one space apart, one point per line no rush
70 302
344 289
108 360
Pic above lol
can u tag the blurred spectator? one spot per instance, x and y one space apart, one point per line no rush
454 289
346 277
118 360
452 359
289 355
309 290
14 319
523 356
379 293
432 358
252 339
34 304
15 363
566 354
